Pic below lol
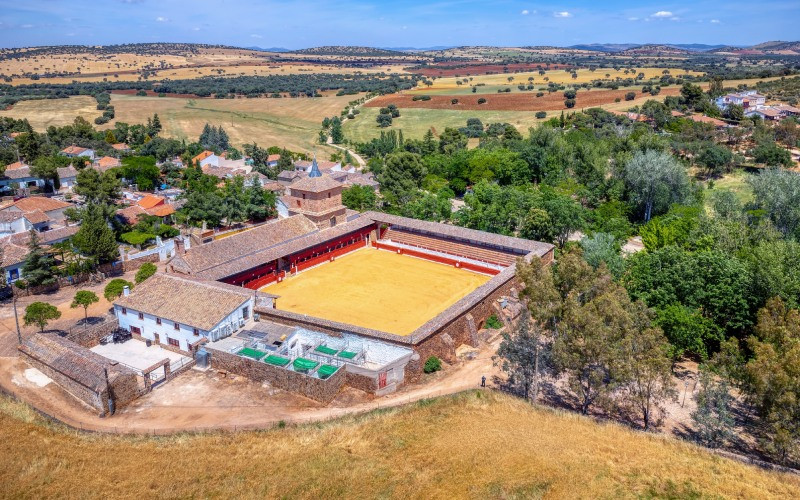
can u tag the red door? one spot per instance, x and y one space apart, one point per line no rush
381 380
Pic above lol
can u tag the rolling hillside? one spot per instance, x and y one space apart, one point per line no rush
476 444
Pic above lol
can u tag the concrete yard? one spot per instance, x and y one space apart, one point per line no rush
135 354
376 289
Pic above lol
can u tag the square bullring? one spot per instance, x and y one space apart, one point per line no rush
376 289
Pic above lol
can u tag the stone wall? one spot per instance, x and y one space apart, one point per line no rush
134 264
90 336
124 388
317 389
362 382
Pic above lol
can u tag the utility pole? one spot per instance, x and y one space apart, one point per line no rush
16 320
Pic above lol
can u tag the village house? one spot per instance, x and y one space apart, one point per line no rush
181 311
272 160
746 99
67 177
146 205
78 152
18 176
44 211
106 162
121 147
14 249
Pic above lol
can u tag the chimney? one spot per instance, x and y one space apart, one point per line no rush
126 290
187 243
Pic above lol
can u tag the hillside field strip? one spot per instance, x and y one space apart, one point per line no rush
293 123
471 445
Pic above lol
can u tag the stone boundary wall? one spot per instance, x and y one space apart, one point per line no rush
90 337
134 264
317 389
124 388
361 382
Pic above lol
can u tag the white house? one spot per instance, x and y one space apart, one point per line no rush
181 311
18 176
14 249
746 99
40 208
67 177
77 151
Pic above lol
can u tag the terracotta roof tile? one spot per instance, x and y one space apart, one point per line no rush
150 201
42 203
195 303
315 184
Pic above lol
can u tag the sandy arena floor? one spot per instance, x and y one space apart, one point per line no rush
376 289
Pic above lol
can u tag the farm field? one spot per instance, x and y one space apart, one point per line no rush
475 444
559 76
520 101
58 112
293 123
376 289
415 122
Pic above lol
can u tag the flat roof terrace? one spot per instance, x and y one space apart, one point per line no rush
376 289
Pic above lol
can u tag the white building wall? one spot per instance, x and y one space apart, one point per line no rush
149 326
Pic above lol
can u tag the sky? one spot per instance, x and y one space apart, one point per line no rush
396 23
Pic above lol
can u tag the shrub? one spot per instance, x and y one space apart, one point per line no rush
569 94
570 103
453 101
432 364
541 114
115 287
630 96
494 322
141 93
136 238
148 269
481 100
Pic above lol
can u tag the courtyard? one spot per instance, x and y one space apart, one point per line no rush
376 289
135 354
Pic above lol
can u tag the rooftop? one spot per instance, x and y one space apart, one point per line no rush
195 303
316 184
42 203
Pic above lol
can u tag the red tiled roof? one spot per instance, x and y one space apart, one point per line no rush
107 162
73 150
131 214
15 166
121 146
36 217
202 156
161 210
40 203
273 158
150 201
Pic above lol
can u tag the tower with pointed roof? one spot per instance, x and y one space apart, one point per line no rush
318 197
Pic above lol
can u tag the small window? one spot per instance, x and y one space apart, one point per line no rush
329 194
173 342
158 321
124 311
245 312
196 332
177 326
141 315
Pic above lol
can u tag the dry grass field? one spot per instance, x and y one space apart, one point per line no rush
376 289
178 65
472 445
294 123
59 112
560 76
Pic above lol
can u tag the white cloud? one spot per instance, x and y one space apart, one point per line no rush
662 13
633 19
525 12
256 36
563 13
714 21
162 19
195 29
26 26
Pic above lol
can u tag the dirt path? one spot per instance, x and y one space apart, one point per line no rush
197 401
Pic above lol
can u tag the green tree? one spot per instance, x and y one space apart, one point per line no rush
655 180
285 161
713 418
97 188
602 248
84 298
777 192
38 269
401 177
115 287
142 171
94 238
452 140
148 269
519 353
46 167
361 198
40 314
716 159
337 135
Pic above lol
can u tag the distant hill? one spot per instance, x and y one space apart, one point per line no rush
774 47
418 49
605 47
777 45
268 49
347 50
654 50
